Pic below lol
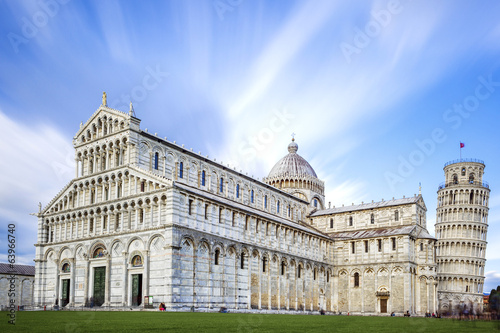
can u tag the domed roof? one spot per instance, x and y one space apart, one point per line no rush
292 164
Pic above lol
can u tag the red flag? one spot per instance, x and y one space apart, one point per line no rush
462 145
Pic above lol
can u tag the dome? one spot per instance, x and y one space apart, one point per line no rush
292 164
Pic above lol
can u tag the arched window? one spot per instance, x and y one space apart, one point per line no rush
156 161
289 210
299 271
265 201
66 268
278 207
356 279
251 196
471 178
331 223
237 190
396 215
314 274
283 268
136 261
350 221
372 218
216 257
455 179
221 186
203 178
181 170
463 171
264 264
315 203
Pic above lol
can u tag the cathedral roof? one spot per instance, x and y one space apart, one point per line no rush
417 231
292 165
17 269
371 205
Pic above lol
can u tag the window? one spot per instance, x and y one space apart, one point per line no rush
356 279
379 245
246 222
203 178
181 170
234 219
237 190
220 214
350 221
327 276
264 264
463 171
119 191
314 274
92 196
117 221
353 247
471 178
396 215
106 193
366 246
265 201
283 267
278 207
206 211
421 246
156 161
299 271
221 186
190 206
315 203
331 223
216 257
251 196
91 226
242 261
393 243
142 186
289 210
105 222
372 218
455 179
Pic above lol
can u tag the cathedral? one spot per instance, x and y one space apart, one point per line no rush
146 221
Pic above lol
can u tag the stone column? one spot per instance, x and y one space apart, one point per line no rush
73 282
125 279
56 288
145 276
86 296
107 288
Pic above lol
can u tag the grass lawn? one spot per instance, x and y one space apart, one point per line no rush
100 321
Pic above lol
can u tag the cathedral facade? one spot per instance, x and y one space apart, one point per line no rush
146 221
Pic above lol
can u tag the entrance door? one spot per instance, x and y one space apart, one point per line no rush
65 292
136 289
99 285
383 305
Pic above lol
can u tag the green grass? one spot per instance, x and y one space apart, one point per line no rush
100 321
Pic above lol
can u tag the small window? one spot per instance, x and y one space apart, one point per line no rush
315 203
246 222
206 211
221 186
141 215
264 264
220 214
190 206
421 246
203 178
379 245
455 179
234 219
237 190
117 221
327 276
471 178
356 279
350 221
181 170
216 257
372 218
265 201
142 186
396 215
105 222
251 196
366 246
393 243
283 268
156 161
353 247
299 271
463 171
91 226
242 261
331 223
314 274
278 207
289 210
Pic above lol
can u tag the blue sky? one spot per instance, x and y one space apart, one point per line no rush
378 93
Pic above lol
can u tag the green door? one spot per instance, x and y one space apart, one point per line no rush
136 289
65 292
99 285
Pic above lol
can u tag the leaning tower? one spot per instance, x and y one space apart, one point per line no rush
461 227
